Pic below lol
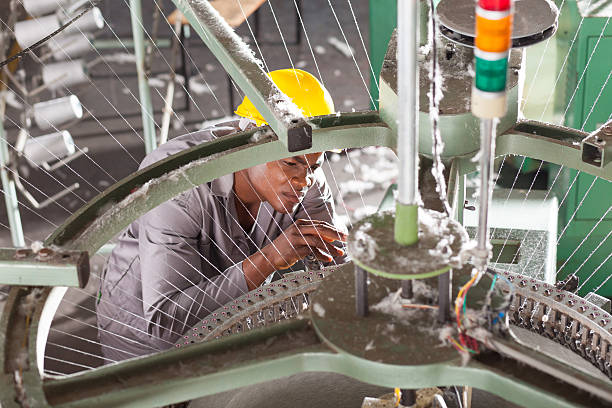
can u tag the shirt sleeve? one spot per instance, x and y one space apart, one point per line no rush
176 295
319 205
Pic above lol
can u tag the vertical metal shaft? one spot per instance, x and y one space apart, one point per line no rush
467 397
8 185
407 289
408 398
361 291
408 93
487 152
406 215
444 297
298 26
148 121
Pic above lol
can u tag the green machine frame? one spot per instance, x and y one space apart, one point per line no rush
585 37
247 358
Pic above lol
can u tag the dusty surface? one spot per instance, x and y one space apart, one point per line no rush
385 335
531 17
371 243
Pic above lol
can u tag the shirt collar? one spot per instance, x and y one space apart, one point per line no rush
223 185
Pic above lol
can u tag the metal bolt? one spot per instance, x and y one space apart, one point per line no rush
22 253
45 253
606 130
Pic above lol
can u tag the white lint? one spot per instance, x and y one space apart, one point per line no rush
36 246
284 107
435 96
342 47
318 309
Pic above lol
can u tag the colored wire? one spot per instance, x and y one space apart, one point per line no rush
419 307
493 282
459 301
398 396
460 305
460 347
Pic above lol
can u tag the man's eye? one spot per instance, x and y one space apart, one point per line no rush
289 163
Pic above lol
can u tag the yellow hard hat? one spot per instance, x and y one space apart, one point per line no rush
309 95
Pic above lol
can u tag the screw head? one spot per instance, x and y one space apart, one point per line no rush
22 253
45 253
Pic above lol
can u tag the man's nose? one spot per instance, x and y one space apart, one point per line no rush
302 181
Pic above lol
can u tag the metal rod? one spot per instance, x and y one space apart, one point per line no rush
65 160
487 149
406 215
185 69
444 297
408 94
467 397
361 291
275 107
298 27
123 43
8 185
169 100
144 91
408 398
407 289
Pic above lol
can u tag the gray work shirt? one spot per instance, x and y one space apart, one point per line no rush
183 259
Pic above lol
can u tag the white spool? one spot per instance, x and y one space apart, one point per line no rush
49 148
37 8
53 113
67 73
91 21
69 46
28 32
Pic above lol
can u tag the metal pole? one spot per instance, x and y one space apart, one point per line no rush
406 222
148 121
408 398
407 292
444 297
8 185
361 291
487 149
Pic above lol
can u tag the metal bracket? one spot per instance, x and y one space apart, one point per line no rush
240 63
597 147
24 267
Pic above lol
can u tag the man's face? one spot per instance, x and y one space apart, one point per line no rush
284 183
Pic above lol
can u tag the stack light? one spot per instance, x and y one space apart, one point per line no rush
493 42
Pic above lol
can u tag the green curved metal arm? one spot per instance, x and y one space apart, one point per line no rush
544 141
279 351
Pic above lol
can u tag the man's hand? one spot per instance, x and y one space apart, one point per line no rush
299 240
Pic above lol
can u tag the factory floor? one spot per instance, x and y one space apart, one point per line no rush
115 145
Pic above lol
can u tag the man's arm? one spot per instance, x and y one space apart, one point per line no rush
176 294
319 205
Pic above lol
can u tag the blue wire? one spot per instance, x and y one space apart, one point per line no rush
493 283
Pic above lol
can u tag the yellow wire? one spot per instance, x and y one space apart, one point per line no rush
398 396
460 294
457 344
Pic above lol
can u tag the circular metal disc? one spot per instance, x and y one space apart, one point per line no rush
388 334
371 245
534 21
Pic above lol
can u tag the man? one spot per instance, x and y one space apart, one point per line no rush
187 257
